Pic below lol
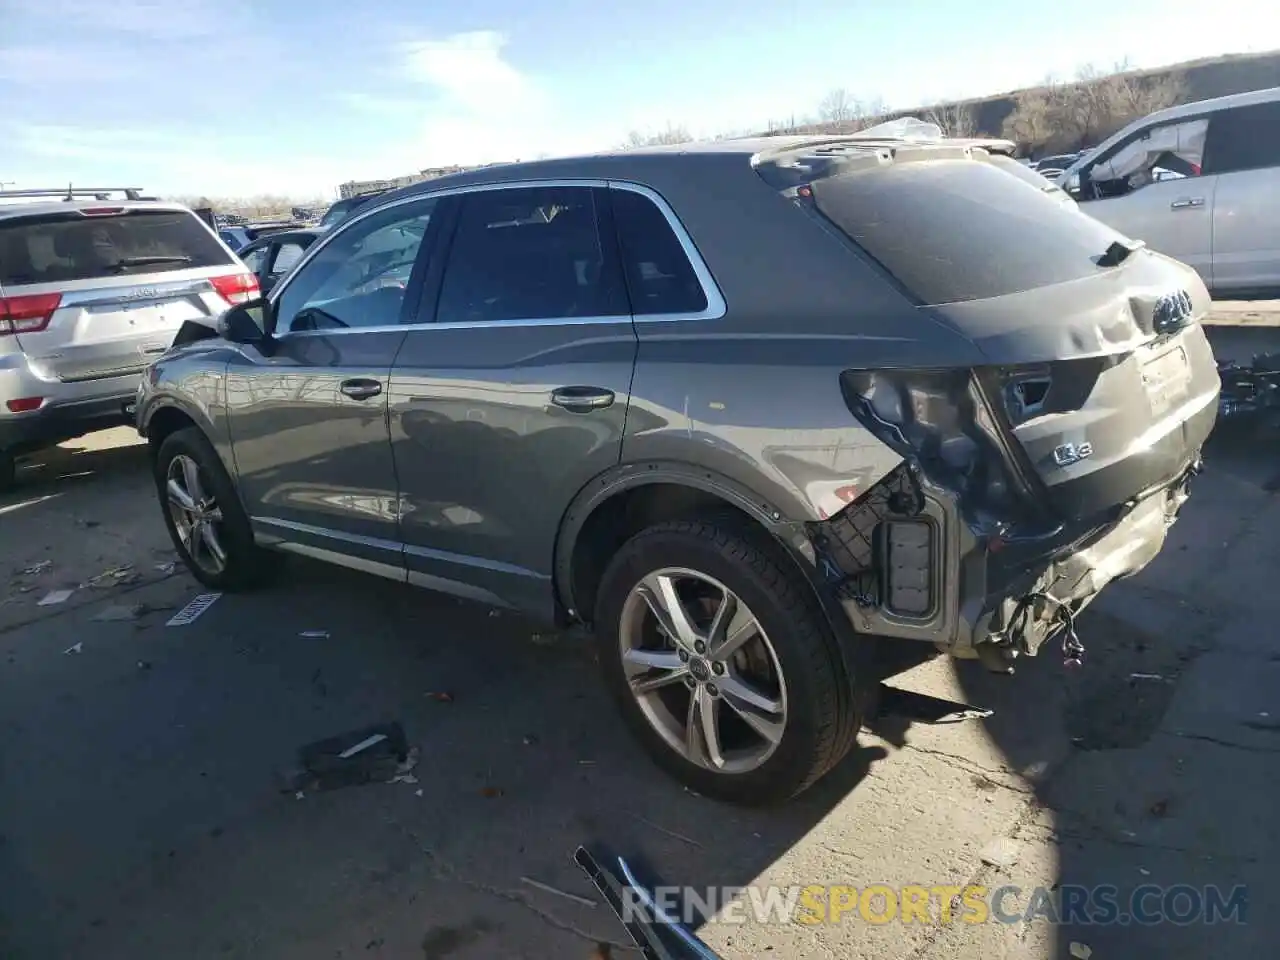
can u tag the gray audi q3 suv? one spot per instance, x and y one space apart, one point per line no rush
746 409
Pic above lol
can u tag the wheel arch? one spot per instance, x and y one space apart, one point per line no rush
623 500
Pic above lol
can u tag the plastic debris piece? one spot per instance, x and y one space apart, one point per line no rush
555 891
74 648
404 778
1081 951
193 610
314 635
55 596
417 793
37 568
377 754
1145 676
165 568
1000 852
113 576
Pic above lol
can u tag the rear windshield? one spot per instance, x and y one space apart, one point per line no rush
64 247
955 230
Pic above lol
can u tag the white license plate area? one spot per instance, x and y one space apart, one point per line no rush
1166 378
109 321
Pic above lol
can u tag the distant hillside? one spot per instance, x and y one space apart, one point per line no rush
1068 115
1201 80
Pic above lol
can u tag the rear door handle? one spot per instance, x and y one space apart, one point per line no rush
582 399
361 389
1186 203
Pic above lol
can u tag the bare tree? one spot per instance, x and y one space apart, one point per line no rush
671 135
839 108
953 119
1031 124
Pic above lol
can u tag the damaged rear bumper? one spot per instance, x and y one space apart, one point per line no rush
919 571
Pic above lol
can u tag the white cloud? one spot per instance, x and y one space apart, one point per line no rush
470 74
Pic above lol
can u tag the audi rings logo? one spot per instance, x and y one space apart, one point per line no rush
1172 312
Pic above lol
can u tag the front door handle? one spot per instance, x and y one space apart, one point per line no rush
1187 203
360 388
582 399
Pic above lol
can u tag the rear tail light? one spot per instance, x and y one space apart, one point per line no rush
29 314
236 287
24 404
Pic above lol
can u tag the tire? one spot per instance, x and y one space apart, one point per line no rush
819 707
244 565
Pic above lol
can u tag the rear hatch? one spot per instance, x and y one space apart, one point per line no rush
96 292
1097 366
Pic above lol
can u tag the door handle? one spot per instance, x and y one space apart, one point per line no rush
361 389
1186 203
582 399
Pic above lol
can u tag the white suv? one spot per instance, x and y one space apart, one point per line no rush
1199 182
91 291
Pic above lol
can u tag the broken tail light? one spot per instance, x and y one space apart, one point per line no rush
939 422
28 314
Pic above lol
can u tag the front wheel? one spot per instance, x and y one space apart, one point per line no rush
208 526
722 663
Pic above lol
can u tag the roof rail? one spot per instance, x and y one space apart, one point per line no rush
70 193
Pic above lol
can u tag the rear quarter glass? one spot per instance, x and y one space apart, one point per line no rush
66 247
953 230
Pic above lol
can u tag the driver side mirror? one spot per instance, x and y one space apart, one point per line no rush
247 323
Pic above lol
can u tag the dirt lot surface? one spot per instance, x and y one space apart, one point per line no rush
141 814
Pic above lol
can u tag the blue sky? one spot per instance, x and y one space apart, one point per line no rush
236 97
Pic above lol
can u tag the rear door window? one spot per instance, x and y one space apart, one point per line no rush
660 278
1245 138
530 254
65 247
287 254
956 229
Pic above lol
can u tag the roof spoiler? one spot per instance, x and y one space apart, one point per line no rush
70 193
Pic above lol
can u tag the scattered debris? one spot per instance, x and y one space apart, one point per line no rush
530 740
193 610
89 524
299 795
119 612
670 833
37 568
74 648
490 793
417 793
404 778
495 613
378 754
1144 871
55 596
165 569
1145 676
586 763
440 696
1160 808
114 576
547 888
144 665
543 639
314 635
1081 951
1000 852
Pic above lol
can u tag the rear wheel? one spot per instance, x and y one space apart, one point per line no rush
722 663
208 526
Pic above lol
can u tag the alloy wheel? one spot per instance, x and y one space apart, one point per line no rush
702 670
196 514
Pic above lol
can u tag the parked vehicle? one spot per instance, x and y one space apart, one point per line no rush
747 409
237 238
274 255
92 290
343 207
1199 182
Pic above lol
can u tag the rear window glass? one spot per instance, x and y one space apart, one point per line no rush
65 247
955 230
